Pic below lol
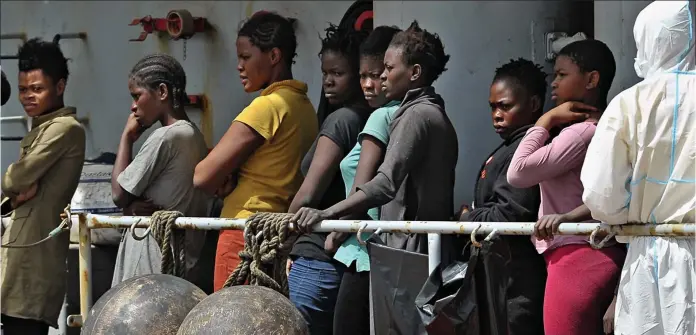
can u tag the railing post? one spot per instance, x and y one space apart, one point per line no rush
434 252
85 267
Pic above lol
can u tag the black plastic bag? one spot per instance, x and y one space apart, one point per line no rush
468 296
396 277
447 302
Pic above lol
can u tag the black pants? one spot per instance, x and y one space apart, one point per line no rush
352 312
18 326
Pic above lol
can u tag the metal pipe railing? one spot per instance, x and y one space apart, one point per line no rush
86 222
438 227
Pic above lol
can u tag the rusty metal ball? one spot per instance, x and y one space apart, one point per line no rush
152 304
244 310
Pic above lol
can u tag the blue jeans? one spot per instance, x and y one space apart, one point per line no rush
314 288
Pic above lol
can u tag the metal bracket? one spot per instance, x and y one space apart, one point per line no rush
178 23
74 320
56 39
68 36
13 36
195 100
555 41
550 38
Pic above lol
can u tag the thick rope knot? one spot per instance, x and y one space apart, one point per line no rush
172 242
267 243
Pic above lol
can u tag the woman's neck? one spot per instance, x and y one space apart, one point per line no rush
56 107
174 116
596 102
281 75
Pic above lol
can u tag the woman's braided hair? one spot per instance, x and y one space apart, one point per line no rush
267 30
156 69
345 42
421 47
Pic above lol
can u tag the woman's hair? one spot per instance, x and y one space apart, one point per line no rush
345 42
156 69
267 30
422 47
527 75
378 41
36 54
593 55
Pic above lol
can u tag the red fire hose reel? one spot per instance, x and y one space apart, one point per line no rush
179 24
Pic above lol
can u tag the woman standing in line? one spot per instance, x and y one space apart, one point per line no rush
313 276
573 303
265 144
352 315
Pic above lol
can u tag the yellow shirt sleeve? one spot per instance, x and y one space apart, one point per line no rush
262 116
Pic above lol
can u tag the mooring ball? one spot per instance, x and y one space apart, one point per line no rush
151 304
244 310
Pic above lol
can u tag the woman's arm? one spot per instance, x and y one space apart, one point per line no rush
534 162
124 156
371 156
407 145
234 148
325 163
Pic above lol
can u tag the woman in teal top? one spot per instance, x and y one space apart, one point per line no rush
352 311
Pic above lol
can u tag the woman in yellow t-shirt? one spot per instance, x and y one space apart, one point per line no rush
265 144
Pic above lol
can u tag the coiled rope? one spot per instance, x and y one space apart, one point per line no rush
171 241
267 243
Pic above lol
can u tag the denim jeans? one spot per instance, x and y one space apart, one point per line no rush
314 288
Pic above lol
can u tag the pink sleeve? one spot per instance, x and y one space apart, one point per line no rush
534 162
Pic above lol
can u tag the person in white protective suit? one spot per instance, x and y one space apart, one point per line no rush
641 168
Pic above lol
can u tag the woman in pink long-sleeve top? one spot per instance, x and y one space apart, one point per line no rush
581 280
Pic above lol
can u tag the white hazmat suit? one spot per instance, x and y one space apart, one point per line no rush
641 168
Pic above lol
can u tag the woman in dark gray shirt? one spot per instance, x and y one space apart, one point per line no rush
416 180
313 276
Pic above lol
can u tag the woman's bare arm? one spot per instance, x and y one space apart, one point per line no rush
234 148
371 156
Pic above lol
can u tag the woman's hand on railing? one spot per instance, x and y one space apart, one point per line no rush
548 225
306 218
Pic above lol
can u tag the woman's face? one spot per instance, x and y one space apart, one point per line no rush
38 93
397 75
511 107
148 105
254 65
371 69
570 83
339 80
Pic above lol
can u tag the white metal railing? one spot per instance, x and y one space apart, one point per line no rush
86 222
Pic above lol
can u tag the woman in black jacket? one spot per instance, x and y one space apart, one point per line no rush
517 100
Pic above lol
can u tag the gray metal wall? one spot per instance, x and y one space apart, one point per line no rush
479 36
